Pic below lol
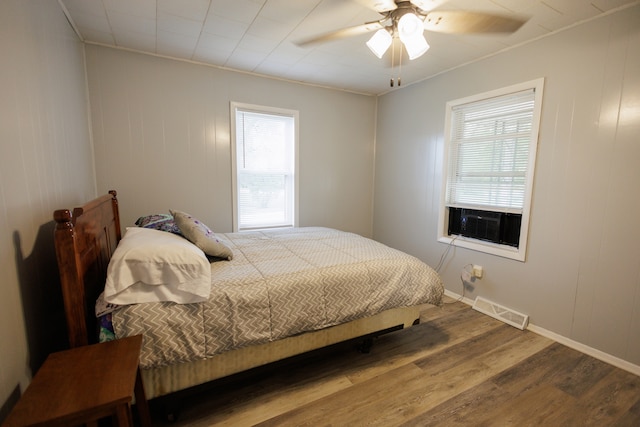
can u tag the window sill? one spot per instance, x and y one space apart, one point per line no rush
504 251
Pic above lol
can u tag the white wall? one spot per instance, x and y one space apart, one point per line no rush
162 139
45 164
581 277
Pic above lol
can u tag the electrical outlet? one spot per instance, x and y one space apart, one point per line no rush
478 271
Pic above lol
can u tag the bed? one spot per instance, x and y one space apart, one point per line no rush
245 321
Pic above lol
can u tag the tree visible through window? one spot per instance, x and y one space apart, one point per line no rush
264 149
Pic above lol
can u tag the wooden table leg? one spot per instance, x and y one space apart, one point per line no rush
141 402
123 414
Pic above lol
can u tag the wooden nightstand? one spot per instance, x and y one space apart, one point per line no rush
85 384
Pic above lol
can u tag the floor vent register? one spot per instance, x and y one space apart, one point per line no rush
501 313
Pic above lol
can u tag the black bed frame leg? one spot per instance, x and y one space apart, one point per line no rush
365 345
168 408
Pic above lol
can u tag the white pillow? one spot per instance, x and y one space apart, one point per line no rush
151 265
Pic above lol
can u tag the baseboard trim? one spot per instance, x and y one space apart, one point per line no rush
583 348
458 297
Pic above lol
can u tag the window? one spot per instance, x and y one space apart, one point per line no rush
264 166
490 150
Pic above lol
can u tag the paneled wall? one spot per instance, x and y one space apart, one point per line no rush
161 131
581 278
162 139
46 163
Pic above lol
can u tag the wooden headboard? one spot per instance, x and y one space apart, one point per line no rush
85 239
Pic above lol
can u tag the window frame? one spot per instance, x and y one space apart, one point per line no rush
506 251
267 110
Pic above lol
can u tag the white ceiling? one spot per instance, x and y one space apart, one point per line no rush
258 36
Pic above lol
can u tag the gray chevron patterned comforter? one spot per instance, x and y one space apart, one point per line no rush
280 283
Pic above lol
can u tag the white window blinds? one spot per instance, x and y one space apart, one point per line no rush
265 167
489 152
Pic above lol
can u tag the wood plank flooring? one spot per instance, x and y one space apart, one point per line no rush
457 368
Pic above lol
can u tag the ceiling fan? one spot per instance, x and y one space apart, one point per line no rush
407 21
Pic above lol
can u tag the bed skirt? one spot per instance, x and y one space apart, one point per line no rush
170 378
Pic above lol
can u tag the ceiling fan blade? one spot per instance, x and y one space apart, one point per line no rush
460 22
379 6
340 34
427 5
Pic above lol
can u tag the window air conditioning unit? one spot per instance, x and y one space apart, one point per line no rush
496 227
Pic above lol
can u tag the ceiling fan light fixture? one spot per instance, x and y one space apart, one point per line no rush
409 27
416 46
410 30
380 42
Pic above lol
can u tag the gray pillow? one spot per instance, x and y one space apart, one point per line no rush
201 235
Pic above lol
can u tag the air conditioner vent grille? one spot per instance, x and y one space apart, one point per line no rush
501 313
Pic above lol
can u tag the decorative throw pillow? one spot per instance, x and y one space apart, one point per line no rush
201 235
163 222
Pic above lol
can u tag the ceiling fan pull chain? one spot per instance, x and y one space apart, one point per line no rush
400 67
393 61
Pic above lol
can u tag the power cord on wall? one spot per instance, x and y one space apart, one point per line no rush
443 257
463 278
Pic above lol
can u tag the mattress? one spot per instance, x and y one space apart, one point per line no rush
280 283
